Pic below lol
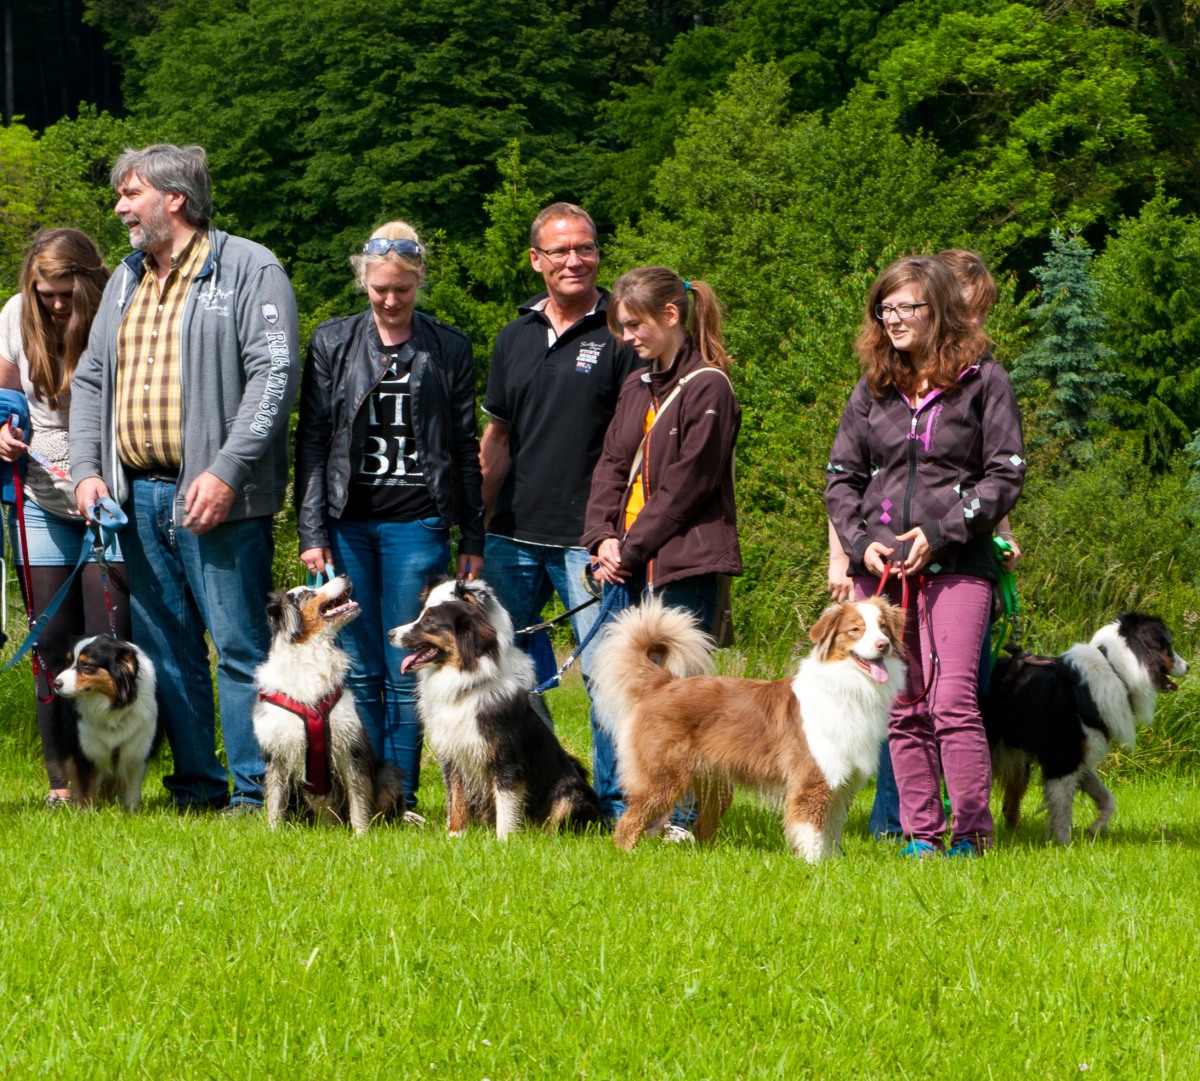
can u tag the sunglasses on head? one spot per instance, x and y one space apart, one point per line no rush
381 245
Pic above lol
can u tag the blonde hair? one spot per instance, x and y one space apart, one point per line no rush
647 290
954 342
54 255
392 230
973 275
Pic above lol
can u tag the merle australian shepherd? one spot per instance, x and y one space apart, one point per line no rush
812 739
1065 712
113 729
313 741
502 764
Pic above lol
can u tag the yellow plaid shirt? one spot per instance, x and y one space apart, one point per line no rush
149 404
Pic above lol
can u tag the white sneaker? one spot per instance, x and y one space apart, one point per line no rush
675 835
411 818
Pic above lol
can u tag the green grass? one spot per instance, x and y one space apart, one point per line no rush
159 946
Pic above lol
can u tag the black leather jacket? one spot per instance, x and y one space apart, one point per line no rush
340 373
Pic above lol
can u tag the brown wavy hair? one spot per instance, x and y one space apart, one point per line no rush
647 290
954 342
53 255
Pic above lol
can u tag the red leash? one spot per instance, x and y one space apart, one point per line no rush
922 602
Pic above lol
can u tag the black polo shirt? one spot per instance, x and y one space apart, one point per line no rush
557 400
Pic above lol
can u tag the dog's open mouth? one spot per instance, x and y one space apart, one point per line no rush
418 659
339 610
874 667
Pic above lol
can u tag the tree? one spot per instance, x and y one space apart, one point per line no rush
1054 115
1149 276
1066 370
325 118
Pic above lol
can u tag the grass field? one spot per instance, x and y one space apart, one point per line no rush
167 947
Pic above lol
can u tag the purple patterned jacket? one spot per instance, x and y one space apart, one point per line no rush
954 467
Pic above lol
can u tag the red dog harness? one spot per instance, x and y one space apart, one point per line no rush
316 728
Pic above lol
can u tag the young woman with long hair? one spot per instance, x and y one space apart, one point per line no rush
928 458
661 517
43 332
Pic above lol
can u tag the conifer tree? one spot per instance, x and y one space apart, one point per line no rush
1067 369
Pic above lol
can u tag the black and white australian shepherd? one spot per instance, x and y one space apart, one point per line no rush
313 742
813 739
113 730
1066 712
501 762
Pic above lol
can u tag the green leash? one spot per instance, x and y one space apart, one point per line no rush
1006 628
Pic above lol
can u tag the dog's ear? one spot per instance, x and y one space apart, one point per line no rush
283 615
465 593
825 629
125 673
474 636
891 616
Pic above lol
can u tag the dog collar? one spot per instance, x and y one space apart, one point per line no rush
317 774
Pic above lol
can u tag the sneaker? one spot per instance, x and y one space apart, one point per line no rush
675 835
411 818
963 849
919 850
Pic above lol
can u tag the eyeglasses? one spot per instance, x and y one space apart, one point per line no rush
381 245
903 311
559 256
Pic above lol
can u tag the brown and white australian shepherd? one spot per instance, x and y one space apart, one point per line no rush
501 762
814 739
113 731
313 742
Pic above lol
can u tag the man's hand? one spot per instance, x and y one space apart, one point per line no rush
207 503
89 492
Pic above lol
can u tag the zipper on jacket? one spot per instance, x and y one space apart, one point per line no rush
912 480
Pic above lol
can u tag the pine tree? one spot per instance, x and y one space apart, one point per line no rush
1067 370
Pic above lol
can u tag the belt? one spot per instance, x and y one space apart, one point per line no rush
159 476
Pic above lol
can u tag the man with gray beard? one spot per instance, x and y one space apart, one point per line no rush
179 411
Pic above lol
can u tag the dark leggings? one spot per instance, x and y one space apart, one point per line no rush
83 612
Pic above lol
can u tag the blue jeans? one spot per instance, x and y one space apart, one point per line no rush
885 811
389 564
697 595
180 586
524 576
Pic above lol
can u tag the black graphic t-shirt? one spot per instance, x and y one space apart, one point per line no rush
390 482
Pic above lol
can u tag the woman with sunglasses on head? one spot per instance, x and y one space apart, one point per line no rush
661 516
928 458
43 331
387 461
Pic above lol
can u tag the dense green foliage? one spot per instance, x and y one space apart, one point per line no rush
783 150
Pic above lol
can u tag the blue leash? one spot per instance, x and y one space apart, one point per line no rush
107 519
615 593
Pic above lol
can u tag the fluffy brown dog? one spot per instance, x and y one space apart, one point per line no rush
814 738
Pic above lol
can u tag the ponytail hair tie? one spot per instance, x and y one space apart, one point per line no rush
687 287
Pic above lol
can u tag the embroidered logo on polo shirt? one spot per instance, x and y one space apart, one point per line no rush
589 353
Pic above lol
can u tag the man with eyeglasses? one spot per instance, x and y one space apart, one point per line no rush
552 388
179 410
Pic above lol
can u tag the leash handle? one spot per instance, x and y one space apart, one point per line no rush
321 577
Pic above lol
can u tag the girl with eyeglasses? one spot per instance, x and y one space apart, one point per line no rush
43 332
928 458
387 462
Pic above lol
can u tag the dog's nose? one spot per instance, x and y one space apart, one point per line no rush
58 684
883 645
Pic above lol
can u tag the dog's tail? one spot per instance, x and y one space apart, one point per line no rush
644 647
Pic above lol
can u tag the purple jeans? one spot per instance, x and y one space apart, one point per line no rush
941 732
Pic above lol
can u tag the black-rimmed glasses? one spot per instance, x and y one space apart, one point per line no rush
903 311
